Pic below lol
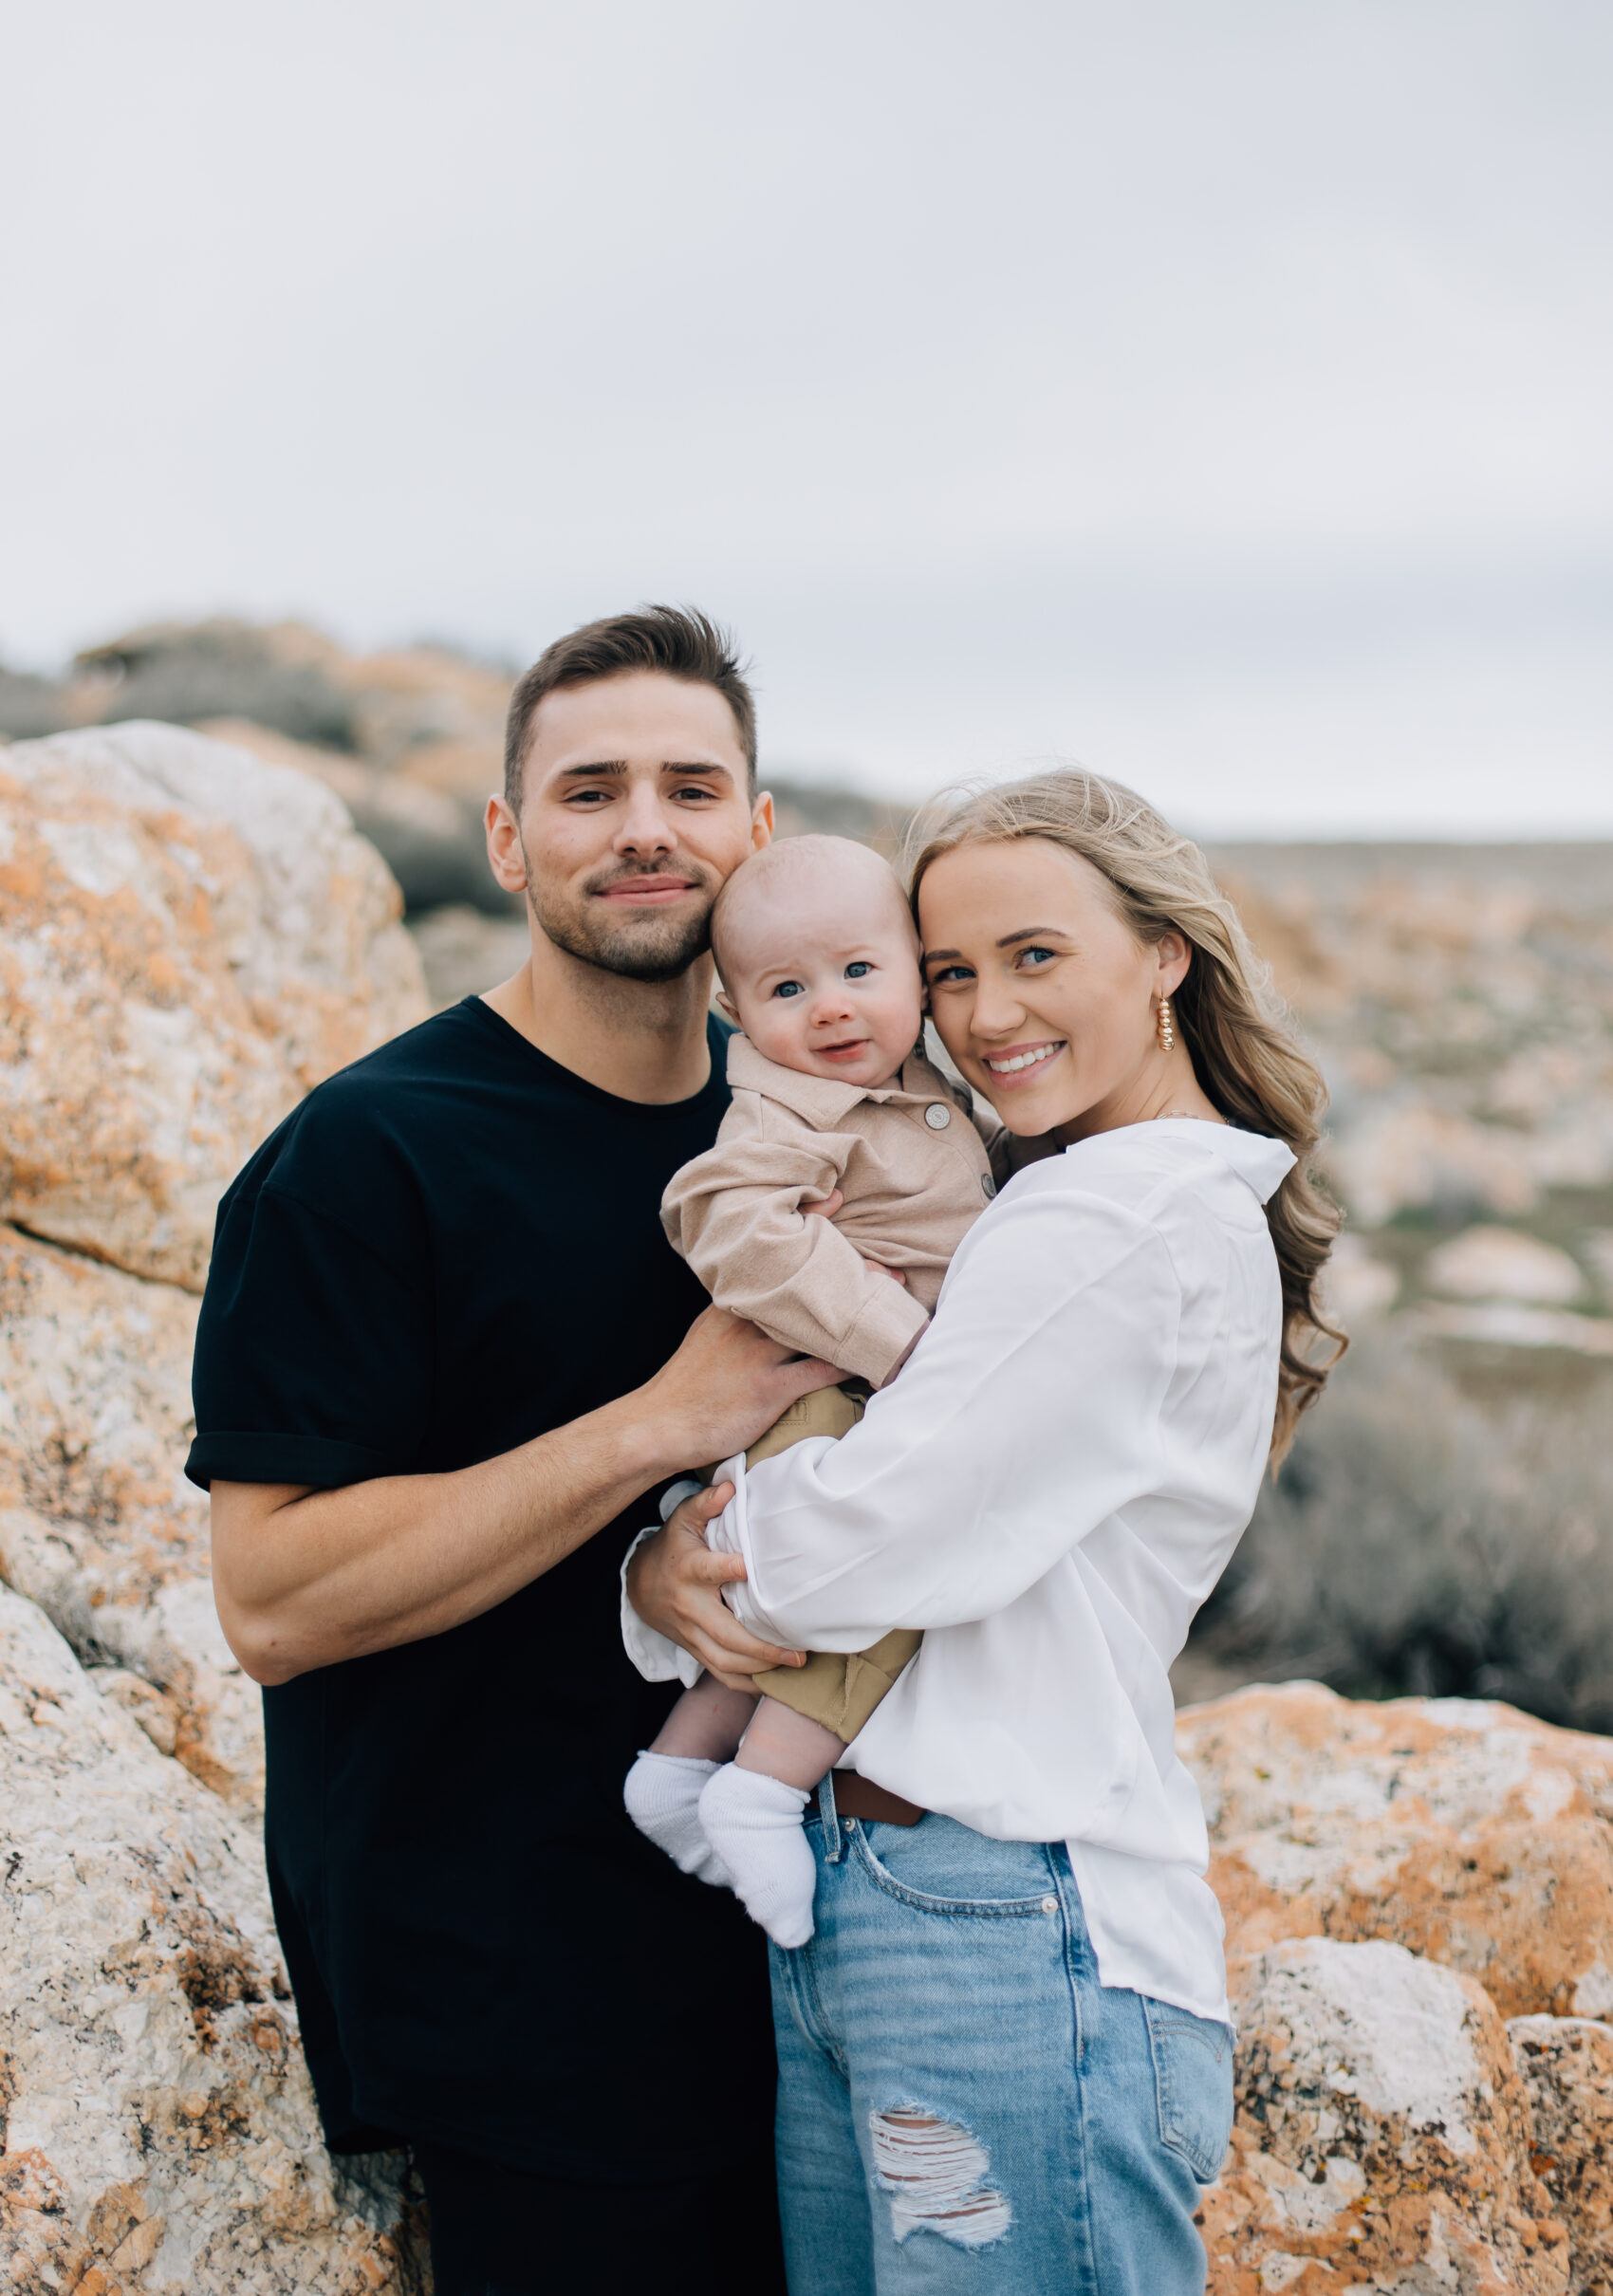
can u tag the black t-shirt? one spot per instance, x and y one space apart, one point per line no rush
445 1251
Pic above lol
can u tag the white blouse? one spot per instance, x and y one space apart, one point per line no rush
1049 1488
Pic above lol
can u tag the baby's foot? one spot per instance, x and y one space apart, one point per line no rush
754 1824
662 1794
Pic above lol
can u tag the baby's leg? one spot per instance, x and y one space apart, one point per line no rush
752 1812
788 1745
706 1723
664 1786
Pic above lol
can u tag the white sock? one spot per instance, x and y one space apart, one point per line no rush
754 1824
662 1794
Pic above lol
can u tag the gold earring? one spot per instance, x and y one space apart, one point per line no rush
1167 1026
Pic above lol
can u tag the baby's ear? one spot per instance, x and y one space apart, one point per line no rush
727 1008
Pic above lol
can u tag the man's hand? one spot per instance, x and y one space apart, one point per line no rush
307 1578
675 1583
725 1386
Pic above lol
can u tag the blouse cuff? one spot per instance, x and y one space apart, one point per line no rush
729 1534
657 1657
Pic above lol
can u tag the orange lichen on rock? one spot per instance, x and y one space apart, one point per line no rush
1383 2136
1463 1830
190 939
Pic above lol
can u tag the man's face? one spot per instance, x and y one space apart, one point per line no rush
634 810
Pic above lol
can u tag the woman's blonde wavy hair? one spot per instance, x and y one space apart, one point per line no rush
1242 1043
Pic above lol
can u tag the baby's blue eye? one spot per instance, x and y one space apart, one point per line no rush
789 989
859 966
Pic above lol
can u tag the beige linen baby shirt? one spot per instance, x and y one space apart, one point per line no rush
914 1175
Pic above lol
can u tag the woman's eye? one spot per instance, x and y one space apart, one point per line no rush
950 973
1026 957
855 971
789 989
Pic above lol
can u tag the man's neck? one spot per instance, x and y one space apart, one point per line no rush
640 1040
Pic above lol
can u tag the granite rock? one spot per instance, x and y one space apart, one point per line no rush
1566 2067
1382 2137
98 1523
1465 1831
157 2126
189 939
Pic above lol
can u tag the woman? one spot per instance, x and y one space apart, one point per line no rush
1005 2060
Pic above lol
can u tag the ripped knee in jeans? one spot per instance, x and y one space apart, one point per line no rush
936 2175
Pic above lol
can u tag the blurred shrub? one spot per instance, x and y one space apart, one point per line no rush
28 706
183 673
1443 1529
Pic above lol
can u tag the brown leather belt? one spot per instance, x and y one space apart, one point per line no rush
858 1797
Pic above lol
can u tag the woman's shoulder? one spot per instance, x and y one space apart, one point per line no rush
1145 1168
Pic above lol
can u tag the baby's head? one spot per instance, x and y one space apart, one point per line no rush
819 959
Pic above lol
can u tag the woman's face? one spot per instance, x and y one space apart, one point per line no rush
1039 991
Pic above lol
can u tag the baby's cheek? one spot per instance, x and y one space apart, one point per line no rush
778 1030
903 1017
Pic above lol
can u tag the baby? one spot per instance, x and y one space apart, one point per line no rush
831 1097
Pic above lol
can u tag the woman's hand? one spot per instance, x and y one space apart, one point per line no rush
675 1583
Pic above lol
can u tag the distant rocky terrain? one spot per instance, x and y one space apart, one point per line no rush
1418 1892
1446 1522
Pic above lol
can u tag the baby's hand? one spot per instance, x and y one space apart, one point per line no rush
827 1210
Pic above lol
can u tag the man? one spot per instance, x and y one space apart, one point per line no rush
445 1359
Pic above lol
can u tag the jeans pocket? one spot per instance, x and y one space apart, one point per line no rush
1193 2080
939 1866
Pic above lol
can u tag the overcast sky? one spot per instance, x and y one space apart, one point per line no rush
1218 394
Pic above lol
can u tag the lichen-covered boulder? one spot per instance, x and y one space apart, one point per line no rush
1463 1830
189 939
1382 2137
157 2126
1566 2067
98 1523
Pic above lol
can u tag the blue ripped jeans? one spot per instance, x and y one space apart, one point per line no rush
961 2106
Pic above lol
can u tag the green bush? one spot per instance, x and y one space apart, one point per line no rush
1444 1527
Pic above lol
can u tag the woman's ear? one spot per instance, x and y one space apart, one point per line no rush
1173 954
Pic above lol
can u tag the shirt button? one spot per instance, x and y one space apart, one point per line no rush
987 1186
936 1117
1049 1905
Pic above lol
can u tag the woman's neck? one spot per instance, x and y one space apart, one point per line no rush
1167 1087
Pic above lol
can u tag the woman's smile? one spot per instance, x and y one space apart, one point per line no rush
1020 1056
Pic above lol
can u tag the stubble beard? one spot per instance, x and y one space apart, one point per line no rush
642 947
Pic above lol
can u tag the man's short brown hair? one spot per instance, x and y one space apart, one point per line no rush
680 641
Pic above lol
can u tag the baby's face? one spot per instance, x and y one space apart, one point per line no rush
827 982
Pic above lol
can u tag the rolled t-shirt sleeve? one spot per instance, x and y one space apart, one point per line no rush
314 1348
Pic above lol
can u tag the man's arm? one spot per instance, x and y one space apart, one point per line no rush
303 1578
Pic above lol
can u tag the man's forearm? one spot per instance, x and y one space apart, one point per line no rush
325 1575
304 1578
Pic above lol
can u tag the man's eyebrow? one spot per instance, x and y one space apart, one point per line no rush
618 766
699 765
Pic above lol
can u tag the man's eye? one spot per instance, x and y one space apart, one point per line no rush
695 789
789 989
858 967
